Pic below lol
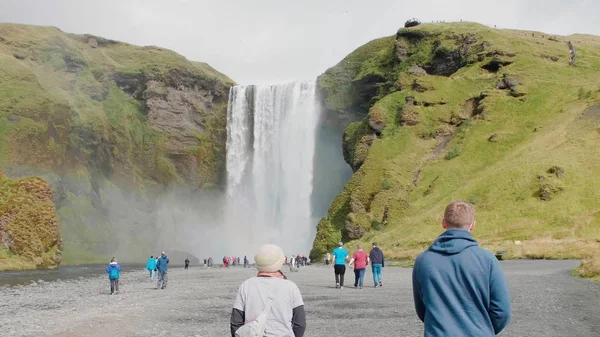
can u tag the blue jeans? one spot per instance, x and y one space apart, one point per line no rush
376 273
359 275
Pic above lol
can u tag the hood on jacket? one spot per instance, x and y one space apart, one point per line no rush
453 241
113 264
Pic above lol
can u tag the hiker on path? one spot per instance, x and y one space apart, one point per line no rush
360 259
150 266
377 263
327 259
114 273
245 262
205 264
162 266
459 288
210 262
340 254
270 291
186 263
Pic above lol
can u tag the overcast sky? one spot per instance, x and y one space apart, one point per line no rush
275 41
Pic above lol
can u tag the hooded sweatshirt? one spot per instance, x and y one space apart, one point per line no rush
459 288
162 263
376 256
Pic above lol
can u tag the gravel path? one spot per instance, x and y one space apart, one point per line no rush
547 301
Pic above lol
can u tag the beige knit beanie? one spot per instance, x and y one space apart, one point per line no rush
269 258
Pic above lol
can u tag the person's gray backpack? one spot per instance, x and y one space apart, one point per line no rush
256 327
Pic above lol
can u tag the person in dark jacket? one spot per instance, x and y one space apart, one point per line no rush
377 263
162 265
114 273
459 288
186 263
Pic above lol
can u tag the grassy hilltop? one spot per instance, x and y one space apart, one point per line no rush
463 111
109 125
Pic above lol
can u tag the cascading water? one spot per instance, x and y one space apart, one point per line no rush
271 133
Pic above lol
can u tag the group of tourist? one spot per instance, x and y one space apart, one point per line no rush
459 289
359 260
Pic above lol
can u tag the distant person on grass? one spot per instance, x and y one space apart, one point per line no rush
360 259
459 288
270 298
340 254
162 265
377 263
151 266
114 273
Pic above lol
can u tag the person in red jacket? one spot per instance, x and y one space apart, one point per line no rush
360 259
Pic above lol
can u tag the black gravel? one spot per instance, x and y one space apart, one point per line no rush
547 301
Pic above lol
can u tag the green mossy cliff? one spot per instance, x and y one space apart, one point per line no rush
109 125
29 234
463 111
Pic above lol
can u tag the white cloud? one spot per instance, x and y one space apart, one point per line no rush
273 41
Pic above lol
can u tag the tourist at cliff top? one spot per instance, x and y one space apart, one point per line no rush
459 288
114 273
162 265
360 259
151 266
268 302
377 263
340 254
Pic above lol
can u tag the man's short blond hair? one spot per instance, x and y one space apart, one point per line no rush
459 214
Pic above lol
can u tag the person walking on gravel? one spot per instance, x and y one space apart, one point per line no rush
340 254
269 298
151 266
186 263
459 288
162 265
377 263
360 259
114 273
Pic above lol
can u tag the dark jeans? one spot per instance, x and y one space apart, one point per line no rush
340 270
114 286
359 276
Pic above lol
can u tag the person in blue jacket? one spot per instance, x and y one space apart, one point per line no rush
162 267
151 266
114 273
459 289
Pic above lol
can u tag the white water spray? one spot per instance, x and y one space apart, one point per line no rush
271 133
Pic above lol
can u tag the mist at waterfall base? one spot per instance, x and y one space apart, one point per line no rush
284 167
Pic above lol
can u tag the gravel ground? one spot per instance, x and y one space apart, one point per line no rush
547 301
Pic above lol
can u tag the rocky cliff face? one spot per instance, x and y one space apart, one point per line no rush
29 235
110 126
462 111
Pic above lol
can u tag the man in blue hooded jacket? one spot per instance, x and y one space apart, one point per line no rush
162 267
459 288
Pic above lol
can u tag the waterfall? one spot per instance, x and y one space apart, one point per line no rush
271 134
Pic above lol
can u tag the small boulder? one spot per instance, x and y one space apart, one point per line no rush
494 138
13 118
416 70
559 172
92 42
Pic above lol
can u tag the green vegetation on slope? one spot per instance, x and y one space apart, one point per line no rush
107 124
29 235
493 117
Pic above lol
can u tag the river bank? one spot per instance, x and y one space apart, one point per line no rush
547 301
